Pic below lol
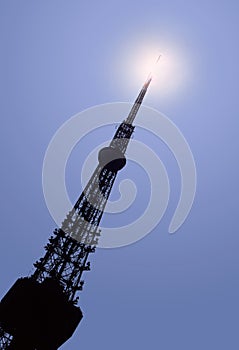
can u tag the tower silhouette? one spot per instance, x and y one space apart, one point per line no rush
40 312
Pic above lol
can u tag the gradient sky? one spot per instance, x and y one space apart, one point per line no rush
60 57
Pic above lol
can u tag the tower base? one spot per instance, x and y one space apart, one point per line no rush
38 315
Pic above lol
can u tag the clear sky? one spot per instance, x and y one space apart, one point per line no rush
58 58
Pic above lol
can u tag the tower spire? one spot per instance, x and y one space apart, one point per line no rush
125 130
134 110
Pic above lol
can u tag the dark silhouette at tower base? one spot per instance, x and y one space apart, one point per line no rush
38 315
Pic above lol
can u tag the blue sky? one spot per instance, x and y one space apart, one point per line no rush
60 57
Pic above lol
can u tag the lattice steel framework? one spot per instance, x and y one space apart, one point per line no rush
68 249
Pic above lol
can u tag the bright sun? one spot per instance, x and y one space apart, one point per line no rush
170 74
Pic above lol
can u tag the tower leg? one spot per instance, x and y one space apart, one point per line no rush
39 316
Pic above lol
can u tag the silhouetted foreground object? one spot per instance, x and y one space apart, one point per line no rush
39 312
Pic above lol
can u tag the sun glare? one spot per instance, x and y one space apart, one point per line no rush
170 74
